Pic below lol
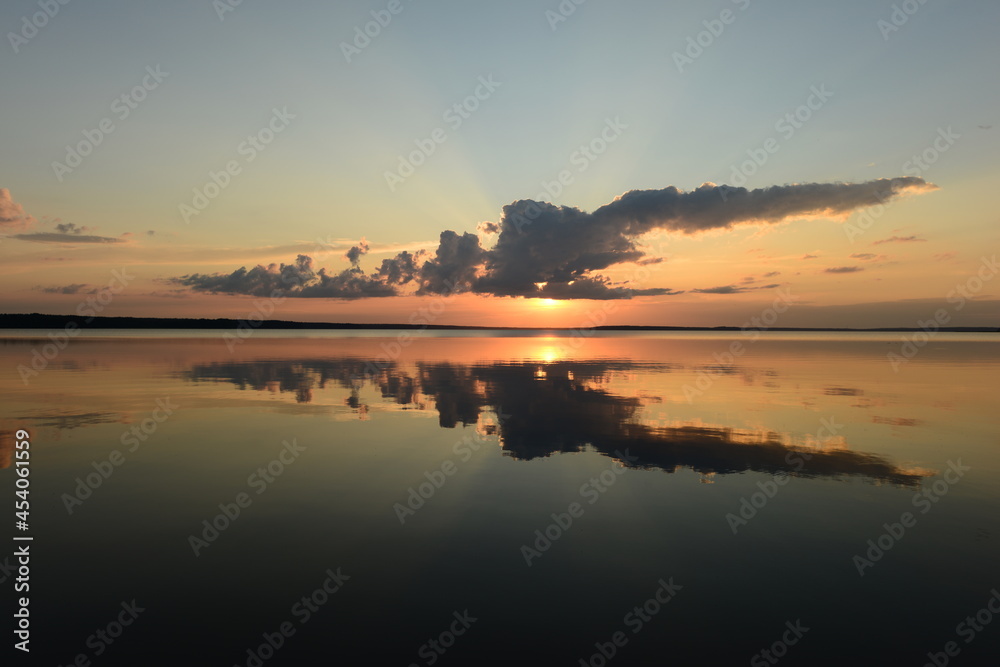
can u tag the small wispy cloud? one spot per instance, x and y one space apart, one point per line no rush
73 288
732 289
900 239
72 237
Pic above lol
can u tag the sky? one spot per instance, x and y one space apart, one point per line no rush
502 164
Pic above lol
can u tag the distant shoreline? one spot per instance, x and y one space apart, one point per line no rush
40 321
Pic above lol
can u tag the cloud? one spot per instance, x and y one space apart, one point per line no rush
488 228
899 239
298 279
732 289
721 207
749 280
12 215
355 253
170 294
598 287
809 256
843 269
863 255
559 252
70 228
73 237
74 288
945 256
455 265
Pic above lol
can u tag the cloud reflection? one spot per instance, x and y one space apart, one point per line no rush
559 407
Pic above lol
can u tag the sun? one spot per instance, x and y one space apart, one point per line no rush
549 303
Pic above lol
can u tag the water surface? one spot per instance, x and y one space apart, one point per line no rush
428 470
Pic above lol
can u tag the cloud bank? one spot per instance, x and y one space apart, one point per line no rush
558 252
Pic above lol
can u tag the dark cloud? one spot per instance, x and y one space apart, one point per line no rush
899 239
864 255
298 279
809 256
543 243
355 254
401 269
720 207
559 252
70 228
454 266
843 269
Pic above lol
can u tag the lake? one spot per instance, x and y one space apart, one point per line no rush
488 498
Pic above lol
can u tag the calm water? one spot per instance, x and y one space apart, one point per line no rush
411 480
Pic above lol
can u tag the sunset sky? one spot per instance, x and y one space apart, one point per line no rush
179 142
